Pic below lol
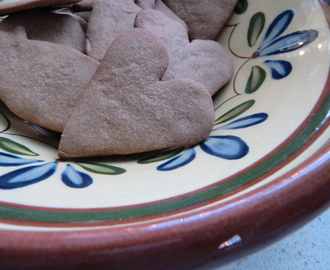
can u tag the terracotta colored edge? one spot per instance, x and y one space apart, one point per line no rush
254 216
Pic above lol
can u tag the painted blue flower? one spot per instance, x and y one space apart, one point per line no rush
28 174
224 146
273 44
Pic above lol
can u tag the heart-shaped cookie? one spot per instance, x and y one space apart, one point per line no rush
204 61
41 81
204 18
126 109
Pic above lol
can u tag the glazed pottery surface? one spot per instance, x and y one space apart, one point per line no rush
263 171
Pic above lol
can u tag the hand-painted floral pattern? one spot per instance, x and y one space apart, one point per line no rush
27 174
221 146
272 44
28 171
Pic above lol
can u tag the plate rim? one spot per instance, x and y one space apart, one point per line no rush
304 192
309 191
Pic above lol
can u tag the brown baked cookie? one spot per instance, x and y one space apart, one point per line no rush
109 18
47 26
84 5
41 81
7 7
204 61
204 18
126 109
160 6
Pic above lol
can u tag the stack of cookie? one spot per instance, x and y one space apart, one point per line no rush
115 76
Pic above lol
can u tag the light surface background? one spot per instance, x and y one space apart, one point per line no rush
306 249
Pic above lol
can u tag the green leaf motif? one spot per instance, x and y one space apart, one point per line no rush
233 113
256 79
101 168
241 6
160 156
256 26
15 148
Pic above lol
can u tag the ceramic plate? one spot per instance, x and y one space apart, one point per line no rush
263 171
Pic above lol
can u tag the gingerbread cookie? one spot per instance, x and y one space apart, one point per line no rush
41 81
7 7
160 6
57 28
109 18
204 61
126 109
204 18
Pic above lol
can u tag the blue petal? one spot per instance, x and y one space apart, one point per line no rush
288 43
75 179
7 160
279 68
245 122
277 27
27 176
226 147
178 161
